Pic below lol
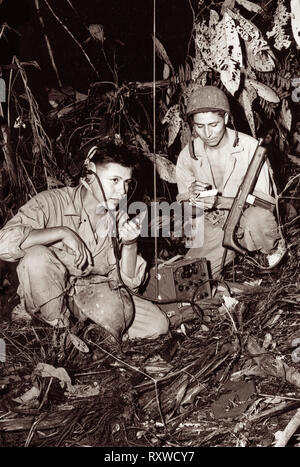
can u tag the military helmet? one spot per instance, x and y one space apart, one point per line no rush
207 99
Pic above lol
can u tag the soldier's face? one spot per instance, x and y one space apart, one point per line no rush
116 181
210 127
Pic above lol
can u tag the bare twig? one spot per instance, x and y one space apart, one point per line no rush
41 19
72 36
27 175
73 8
42 144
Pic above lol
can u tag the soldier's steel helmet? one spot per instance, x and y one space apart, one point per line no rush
207 99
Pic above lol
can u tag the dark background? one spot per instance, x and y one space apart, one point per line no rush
128 27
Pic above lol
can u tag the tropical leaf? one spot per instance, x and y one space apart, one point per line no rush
170 113
169 94
185 134
143 144
295 18
214 19
246 100
231 77
166 71
285 117
188 72
184 73
249 5
259 53
202 43
263 90
173 118
165 168
281 18
245 27
261 61
174 127
161 52
249 73
97 32
78 343
227 4
227 54
199 66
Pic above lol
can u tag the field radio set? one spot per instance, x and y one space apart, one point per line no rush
180 279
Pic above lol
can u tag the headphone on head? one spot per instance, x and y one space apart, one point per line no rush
85 171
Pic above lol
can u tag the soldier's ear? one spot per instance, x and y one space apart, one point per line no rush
226 118
91 166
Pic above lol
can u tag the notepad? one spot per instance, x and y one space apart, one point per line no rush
206 193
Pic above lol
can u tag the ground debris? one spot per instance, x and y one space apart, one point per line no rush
230 379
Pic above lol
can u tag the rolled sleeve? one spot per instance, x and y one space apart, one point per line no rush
10 241
16 230
139 276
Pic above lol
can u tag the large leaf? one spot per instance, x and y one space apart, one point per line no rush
295 12
143 144
285 117
281 18
249 5
185 134
214 19
260 61
97 32
246 100
78 343
227 4
203 50
227 54
165 168
161 52
259 54
199 65
166 71
203 36
231 77
173 118
263 90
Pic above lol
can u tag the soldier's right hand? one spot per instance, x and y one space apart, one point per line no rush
196 187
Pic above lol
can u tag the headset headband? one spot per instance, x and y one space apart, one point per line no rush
90 154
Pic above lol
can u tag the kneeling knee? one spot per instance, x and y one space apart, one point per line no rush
35 257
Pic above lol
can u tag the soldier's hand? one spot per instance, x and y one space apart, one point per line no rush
83 256
196 187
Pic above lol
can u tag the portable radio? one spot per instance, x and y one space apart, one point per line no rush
180 279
